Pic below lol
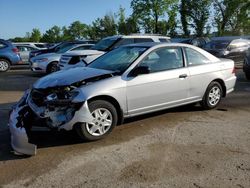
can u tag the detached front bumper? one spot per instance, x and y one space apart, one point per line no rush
20 124
19 138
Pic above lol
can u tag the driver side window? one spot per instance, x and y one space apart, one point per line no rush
163 59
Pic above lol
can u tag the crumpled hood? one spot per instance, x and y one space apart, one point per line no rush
68 77
83 52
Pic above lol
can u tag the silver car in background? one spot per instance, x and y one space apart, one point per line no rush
24 51
48 62
125 82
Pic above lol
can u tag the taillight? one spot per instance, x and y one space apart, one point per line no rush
15 50
234 71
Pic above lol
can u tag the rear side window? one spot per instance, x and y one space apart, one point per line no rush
195 58
141 40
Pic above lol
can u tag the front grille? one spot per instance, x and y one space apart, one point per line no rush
74 60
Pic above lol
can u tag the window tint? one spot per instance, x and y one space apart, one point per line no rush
163 59
163 40
82 48
124 42
141 40
195 58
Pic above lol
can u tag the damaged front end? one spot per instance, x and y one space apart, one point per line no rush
54 108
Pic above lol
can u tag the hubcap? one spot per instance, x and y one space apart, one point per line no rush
214 96
101 123
3 66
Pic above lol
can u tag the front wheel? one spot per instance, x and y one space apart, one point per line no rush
105 119
212 96
4 65
52 67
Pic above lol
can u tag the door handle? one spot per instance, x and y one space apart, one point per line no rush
183 76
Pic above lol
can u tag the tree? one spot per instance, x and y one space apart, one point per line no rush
35 35
184 17
232 16
103 27
199 14
149 12
77 30
122 21
125 25
53 35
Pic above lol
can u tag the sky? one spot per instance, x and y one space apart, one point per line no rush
20 16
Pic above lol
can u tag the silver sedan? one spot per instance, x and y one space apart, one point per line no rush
125 82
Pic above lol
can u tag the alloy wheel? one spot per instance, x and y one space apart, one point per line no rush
3 65
101 123
214 96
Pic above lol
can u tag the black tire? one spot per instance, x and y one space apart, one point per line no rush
206 102
247 74
82 129
4 65
52 67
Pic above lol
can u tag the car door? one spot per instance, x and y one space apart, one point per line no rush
166 84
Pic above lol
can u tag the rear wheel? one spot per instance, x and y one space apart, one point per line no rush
52 67
212 97
105 119
4 65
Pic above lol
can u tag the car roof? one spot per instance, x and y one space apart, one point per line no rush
114 37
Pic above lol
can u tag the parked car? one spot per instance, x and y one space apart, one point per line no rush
234 49
196 41
80 58
8 55
36 45
125 82
24 51
246 64
57 46
48 63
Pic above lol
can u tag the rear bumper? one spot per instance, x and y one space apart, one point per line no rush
230 84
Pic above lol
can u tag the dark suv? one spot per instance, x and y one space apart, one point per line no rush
234 49
8 55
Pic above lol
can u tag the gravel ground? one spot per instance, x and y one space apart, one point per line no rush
181 147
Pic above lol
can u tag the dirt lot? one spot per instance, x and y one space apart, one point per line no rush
181 147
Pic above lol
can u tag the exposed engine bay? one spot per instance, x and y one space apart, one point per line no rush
55 107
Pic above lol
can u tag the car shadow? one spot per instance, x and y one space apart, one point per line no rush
46 139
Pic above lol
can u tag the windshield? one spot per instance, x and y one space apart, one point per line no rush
64 48
119 59
217 44
105 44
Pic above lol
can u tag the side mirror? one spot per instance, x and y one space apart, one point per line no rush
139 70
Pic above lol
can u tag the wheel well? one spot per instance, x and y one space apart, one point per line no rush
114 102
222 83
48 66
5 58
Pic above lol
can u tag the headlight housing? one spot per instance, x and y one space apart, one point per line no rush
41 60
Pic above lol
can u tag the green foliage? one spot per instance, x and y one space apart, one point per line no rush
35 35
232 17
148 13
103 27
52 35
